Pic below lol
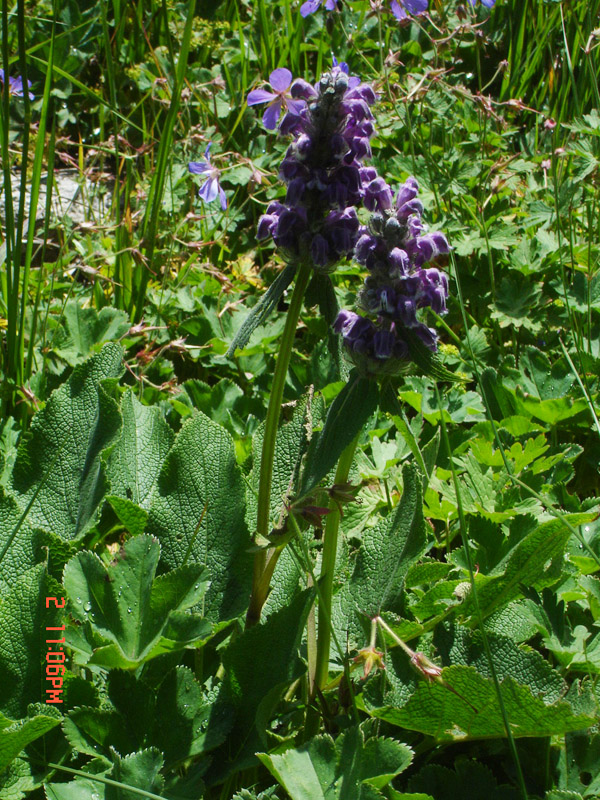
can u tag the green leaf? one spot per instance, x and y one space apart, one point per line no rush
23 621
526 564
125 604
87 329
187 723
470 781
15 735
136 459
58 468
17 542
387 551
263 309
467 708
350 767
345 419
197 513
259 665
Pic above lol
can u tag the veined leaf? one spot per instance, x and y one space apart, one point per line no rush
127 606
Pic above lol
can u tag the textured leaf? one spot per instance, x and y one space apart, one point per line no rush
291 443
197 513
350 767
17 542
346 417
387 551
263 309
527 563
58 467
471 710
125 604
137 458
23 620
17 734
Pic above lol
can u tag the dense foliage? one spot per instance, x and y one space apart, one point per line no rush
299 327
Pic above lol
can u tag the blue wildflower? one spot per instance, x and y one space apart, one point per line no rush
331 128
211 187
313 5
280 81
486 3
15 86
415 7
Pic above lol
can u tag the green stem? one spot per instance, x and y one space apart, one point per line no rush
330 540
264 558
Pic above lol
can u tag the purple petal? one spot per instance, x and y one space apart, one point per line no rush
198 167
331 5
207 151
223 198
295 106
260 96
280 79
309 7
398 11
488 3
271 115
209 190
415 6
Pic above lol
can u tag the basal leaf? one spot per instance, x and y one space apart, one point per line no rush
125 604
58 468
137 458
197 513
17 542
87 329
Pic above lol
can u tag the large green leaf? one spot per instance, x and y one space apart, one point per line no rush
131 609
467 708
351 766
470 781
17 542
17 734
58 468
23 621
387 550
197 513
137 458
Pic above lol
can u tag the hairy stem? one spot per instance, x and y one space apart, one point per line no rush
268 558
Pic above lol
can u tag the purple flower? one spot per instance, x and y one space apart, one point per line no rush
15 86
211 187
486 3
280 81
313 5
415 7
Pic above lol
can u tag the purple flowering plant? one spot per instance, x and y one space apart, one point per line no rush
279 99
395 248
15 85
211 188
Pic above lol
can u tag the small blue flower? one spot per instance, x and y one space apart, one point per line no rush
313 5
211 187
415 7
15 86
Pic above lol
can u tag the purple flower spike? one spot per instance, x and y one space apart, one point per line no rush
15 86
280 98
211 187
415 7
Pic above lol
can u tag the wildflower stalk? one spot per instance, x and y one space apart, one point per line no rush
265 560
330 541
